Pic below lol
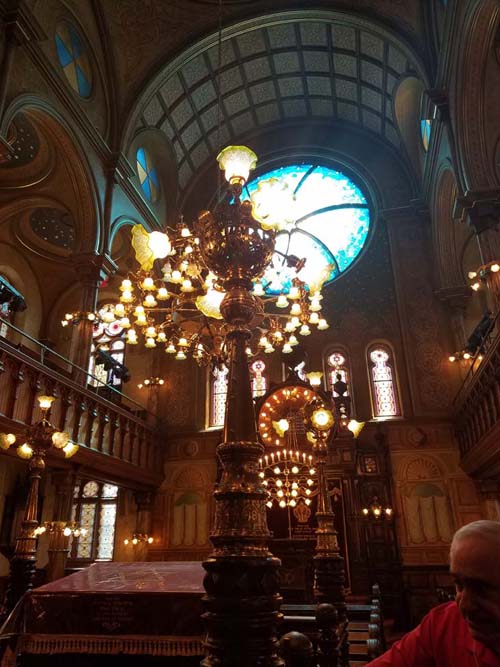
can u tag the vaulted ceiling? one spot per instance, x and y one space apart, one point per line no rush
281 68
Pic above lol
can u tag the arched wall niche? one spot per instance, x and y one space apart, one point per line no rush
478 73
163 160
407 109
450 236
72 182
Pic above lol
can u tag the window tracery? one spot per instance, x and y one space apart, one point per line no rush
218 393
382 374
94 508
111 339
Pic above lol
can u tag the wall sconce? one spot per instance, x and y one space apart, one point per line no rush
376 510
355 427
482 274
151 382
138 538
67 528
78 316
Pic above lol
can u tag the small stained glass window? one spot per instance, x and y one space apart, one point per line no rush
94 508
148 176
110 339
329 224
73 58
218 391
383 382
259 381
425 131
338 370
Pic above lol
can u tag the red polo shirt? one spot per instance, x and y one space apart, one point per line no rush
441 640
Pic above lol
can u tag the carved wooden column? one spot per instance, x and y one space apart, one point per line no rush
91 269
64 483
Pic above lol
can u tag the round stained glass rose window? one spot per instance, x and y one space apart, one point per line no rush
329 223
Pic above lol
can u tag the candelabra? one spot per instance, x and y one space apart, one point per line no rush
40 438
65 528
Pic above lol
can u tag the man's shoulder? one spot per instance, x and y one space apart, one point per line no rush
445 613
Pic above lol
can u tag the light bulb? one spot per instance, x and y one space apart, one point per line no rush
45 401
269 504
313 318
67 532
323 324
293 503
307 501
294 292
126 297
162 294
135 540
495 268
150 301
295 309
277 471
126 285
287 348
170 349
125 541
295 470
282 503
293 340
150 342
304 330
150 540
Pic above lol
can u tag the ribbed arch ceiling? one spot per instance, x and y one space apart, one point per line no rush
284 67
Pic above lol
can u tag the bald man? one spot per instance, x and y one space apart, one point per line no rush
464 633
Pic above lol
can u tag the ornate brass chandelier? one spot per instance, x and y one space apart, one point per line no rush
175 300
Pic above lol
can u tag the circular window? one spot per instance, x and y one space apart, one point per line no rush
331 224
73 58
147 175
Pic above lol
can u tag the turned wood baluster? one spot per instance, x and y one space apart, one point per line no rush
16 377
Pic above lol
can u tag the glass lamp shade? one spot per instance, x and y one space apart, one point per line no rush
6 440
70 449
159 245
209 303
25 451
45 401
314 378
237 162
355 427
273 204
60 439
322 419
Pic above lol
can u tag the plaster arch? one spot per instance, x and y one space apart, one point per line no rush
84 199
450 236
18 271
477 72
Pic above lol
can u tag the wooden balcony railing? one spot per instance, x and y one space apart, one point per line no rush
477 414
120 440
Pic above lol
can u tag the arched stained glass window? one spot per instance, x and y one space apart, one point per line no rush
218 393
382 373
425 131
73 58
147 175
111 339
330 220
338 369
258 379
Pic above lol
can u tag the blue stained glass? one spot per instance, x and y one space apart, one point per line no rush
73 58
83 84
148 176
332 221
65 57
425 129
